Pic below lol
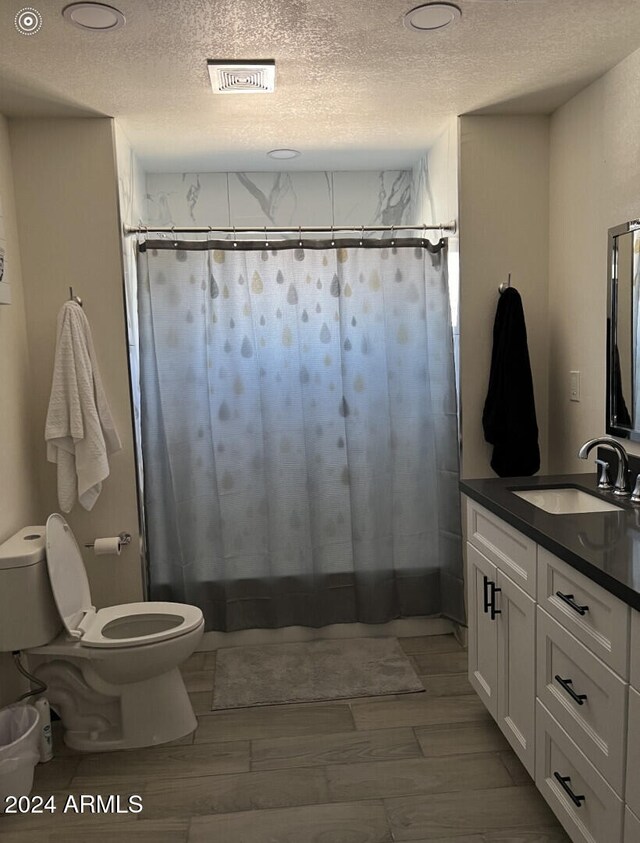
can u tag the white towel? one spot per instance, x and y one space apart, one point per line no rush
79 432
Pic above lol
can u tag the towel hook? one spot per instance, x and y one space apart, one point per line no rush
73 297
504 286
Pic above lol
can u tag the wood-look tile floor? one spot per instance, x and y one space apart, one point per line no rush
419 767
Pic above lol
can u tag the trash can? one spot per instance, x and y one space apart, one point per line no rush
19 754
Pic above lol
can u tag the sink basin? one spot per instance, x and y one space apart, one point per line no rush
566 501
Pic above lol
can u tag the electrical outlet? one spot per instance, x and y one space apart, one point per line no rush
574 386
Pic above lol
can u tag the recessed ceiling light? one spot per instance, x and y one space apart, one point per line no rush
432 16
97 17
283 153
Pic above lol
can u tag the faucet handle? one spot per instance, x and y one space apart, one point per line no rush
604 481
635 496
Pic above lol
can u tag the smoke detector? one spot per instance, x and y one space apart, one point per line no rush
242 77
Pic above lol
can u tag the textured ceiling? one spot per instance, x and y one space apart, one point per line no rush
355 89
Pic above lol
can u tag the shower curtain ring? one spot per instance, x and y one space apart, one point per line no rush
300 236
173 231
266 241
424 232
362 236
333 237
393 242
235 238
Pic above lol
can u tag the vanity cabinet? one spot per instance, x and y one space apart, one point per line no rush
632 792
552 655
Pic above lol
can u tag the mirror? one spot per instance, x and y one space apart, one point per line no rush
623 332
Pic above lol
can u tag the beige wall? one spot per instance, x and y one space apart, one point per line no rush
66 198
504 225
595 184
19 499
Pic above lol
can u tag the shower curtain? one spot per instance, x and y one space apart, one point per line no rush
299 431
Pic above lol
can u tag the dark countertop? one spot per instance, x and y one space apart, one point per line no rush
605 546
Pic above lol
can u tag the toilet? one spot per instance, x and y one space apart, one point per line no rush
112 674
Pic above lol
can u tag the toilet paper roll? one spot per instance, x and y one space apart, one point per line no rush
106 547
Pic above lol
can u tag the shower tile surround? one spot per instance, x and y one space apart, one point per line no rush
382 769
280 198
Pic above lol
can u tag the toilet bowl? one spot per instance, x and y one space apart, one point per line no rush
112 674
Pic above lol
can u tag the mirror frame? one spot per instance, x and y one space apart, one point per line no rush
612 426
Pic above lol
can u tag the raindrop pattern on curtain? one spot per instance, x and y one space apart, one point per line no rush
299 434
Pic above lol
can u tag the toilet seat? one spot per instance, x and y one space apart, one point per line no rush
116 626
125 625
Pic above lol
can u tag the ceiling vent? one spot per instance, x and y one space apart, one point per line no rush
242 77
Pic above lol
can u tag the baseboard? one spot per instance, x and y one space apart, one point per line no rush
402 628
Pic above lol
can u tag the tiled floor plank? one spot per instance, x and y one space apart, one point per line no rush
447 685
475 811
460 738
240 792
385 779
322 750
419 710
364 822
430 644
274 721
437 663
173 762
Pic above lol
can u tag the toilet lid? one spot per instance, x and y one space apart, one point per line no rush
67 573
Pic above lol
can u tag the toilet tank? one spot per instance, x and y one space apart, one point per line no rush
28 613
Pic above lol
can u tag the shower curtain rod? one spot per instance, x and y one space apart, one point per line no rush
322 229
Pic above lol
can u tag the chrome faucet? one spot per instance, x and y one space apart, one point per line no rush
621 487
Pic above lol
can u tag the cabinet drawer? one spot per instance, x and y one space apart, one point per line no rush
507 548
634 666
603 622
598 818
598 723
631 827
632 795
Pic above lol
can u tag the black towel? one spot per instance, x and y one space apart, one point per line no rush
509 417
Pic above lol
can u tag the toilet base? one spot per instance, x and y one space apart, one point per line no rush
152 712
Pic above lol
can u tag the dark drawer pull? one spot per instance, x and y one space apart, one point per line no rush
564 784
485 595
570 601
494 591
566 684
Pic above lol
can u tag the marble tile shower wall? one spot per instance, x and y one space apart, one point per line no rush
280 198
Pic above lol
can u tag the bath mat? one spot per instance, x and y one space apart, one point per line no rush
276 674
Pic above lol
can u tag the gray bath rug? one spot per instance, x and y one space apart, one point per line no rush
275 674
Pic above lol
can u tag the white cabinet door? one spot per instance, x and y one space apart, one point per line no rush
483 631
516 669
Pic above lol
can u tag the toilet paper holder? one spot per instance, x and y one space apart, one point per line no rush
123 538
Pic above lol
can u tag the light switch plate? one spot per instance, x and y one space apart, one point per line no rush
574 386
